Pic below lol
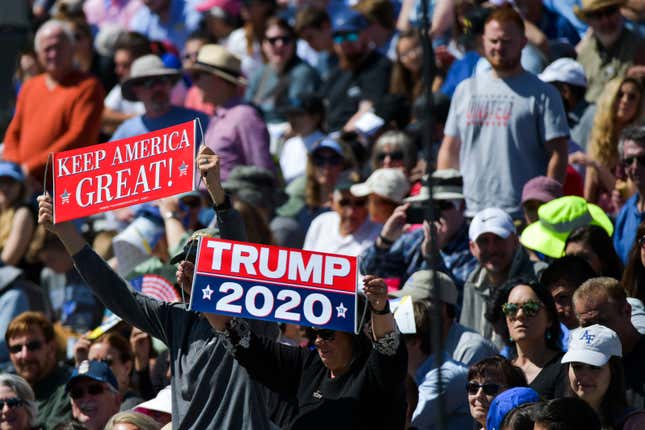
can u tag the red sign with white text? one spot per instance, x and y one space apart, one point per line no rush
123 173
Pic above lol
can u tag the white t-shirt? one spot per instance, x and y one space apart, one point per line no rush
115 101
324 236
293 158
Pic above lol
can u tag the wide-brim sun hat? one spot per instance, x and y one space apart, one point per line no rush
590 6
219 61
143 68
557 219
447 184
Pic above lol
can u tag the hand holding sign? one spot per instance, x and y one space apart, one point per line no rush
376 292
208 164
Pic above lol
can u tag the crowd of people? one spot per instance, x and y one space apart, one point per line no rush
493 176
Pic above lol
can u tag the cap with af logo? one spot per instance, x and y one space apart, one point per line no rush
593 345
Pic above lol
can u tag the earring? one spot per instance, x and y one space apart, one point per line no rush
510 339
548 335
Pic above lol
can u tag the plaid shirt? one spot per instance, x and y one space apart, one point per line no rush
404 258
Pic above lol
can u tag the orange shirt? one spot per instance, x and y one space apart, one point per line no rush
56 119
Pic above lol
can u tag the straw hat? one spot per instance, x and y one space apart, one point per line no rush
148 66
590 6
219 61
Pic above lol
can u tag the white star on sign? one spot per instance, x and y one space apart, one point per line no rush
65 197
342 311
183 168
207 292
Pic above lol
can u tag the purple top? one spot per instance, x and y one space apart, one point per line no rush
239 136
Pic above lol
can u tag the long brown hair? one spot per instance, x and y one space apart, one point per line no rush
402 81
633 281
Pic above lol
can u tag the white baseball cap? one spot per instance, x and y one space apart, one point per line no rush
389 183
593 345
491 220
566 70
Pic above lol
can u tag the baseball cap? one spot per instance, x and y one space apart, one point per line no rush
593 345
189 251
348 21
389 183
93 369
419 287
491 220
328 142
447 184
541 188
506 402
566 70
161 403
11 170
557 219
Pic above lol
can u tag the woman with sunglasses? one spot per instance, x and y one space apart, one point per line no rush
486 379
595 374
18 408
350 381
284 77
523 313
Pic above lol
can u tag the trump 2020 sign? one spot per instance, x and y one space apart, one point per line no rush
125 172
275 284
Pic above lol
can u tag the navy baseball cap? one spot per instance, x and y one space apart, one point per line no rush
11 170
506 402
348 21
95 370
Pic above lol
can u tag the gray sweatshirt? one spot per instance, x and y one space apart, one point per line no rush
210 390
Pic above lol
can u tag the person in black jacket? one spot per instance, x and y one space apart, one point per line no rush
348 382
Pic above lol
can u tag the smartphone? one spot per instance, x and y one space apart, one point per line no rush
415 215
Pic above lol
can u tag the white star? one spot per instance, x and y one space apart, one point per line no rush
342 311
207 292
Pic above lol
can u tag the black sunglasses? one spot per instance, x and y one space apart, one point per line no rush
355 203
629 161
284 39
608 11
32 346
394 156
94 389
151 82
324 334
332 160
490 388
12 402
530 308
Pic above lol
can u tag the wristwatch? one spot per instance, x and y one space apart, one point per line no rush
172 214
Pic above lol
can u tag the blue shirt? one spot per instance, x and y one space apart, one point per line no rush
626 226
184 19
454 377
460 70
143 124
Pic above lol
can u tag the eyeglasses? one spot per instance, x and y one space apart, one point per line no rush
629 161
410 53
606 12
490 388
331 160
394 156
152 82
285 40
530 308
12 402
324 334
94 389
355 203
345 37
32 346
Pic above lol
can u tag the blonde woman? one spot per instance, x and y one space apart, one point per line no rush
620 105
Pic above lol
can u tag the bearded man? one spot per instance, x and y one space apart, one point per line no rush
362 76
505 126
